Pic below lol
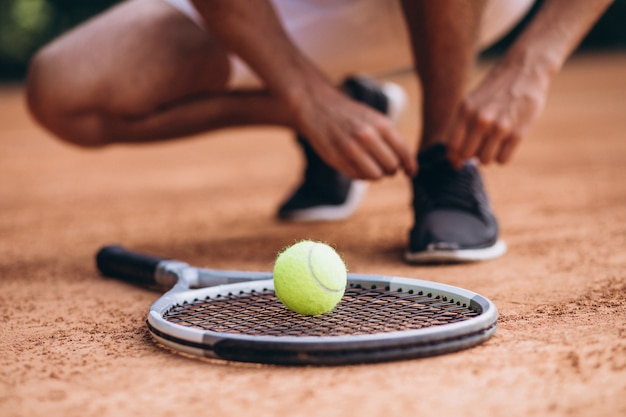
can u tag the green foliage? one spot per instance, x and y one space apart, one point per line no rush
26 25
21 24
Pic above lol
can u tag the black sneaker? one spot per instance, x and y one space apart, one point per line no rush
326 194
453 220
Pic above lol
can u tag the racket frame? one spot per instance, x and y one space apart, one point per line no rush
307 350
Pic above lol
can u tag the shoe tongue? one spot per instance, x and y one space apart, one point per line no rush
446 186
434 157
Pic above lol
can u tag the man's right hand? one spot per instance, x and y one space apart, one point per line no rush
350 136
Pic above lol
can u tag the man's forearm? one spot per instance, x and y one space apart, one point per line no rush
554 33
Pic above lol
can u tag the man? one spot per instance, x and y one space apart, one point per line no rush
144 71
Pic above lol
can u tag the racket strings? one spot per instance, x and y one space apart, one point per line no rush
361 311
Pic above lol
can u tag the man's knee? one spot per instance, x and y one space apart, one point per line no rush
51 96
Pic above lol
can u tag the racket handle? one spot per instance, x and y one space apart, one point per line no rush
117 262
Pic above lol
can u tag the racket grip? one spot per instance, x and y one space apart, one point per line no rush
117 262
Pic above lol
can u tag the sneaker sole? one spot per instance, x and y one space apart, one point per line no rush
357 192
457 256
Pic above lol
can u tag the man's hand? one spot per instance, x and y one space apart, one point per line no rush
493 118
350 136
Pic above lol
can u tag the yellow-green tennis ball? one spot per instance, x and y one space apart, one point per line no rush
310 278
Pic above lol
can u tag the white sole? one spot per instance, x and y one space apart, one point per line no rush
457 256
357 192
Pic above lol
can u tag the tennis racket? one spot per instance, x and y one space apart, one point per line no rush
235 315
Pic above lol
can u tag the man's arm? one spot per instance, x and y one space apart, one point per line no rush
348 135
492 118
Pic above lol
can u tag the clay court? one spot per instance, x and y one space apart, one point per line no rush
75 344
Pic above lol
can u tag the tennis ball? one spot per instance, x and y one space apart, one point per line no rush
310 278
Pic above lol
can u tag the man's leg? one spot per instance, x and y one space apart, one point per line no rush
453 220
141 71
444 35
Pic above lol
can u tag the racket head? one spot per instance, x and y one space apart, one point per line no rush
380 318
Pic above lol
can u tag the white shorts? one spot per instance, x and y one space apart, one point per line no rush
357 36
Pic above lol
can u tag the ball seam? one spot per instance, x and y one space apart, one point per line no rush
309 266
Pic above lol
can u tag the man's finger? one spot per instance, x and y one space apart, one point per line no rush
509 145
356 156
378 148
492 144
401 149
474 137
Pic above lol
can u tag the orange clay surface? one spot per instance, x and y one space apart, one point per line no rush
73 343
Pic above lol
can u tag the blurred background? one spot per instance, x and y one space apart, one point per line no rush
26 25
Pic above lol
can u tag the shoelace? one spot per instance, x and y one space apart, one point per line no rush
444 187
